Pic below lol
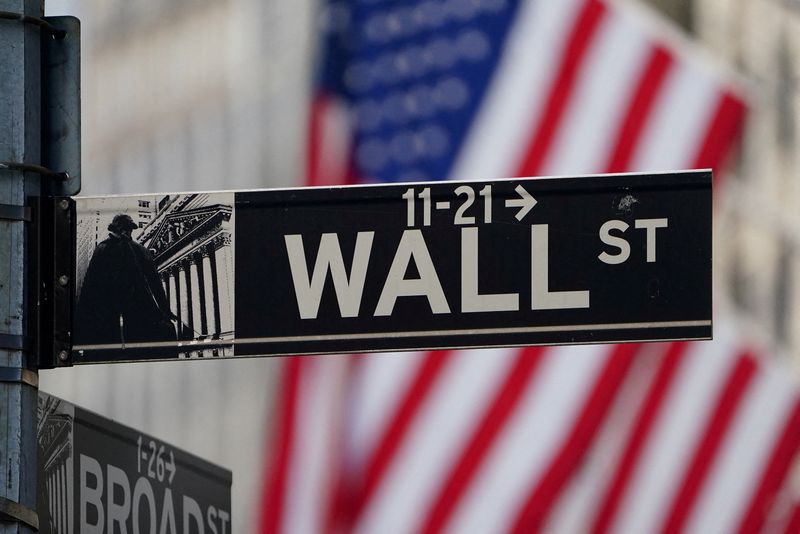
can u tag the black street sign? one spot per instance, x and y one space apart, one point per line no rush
98 476
393 267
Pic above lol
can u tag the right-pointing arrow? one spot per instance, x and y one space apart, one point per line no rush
525 203
171 466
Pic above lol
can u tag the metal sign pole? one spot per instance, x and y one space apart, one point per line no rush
20 142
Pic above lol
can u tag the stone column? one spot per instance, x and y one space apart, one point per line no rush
54 497
165 282
187 268
225 281
183 292
177 281
54 500
65 501
201 286
208 289
212 260
69 512
171 291
51 494
62 497
194 275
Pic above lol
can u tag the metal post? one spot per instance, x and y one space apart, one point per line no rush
20 140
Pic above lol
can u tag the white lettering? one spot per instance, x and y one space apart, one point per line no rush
471 301
211 518
224 517
168 515
91 495
117 512
541 296
614 241
123 509
650 225
412 245
144 489
191 510
329 257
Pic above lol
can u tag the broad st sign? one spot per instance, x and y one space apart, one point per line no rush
97 476
393 267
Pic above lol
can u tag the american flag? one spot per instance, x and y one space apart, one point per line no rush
670 437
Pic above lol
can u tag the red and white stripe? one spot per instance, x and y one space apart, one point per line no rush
668 437
610 98
329 142
299 492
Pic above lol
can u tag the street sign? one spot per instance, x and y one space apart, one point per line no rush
393 267
99 476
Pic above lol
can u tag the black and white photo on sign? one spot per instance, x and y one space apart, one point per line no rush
156 270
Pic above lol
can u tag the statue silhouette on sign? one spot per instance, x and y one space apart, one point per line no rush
122 299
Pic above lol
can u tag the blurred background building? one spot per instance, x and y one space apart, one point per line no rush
759 212
186 95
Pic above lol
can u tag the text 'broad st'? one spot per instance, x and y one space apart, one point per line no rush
98 476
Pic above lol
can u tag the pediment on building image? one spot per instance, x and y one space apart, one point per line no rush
178 229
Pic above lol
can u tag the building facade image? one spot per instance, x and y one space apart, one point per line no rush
192 248
54 435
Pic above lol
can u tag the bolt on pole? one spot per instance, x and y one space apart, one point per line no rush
20 141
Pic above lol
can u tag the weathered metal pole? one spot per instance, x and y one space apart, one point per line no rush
20 141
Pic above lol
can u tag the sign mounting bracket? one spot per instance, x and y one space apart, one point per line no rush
14 511
55 233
